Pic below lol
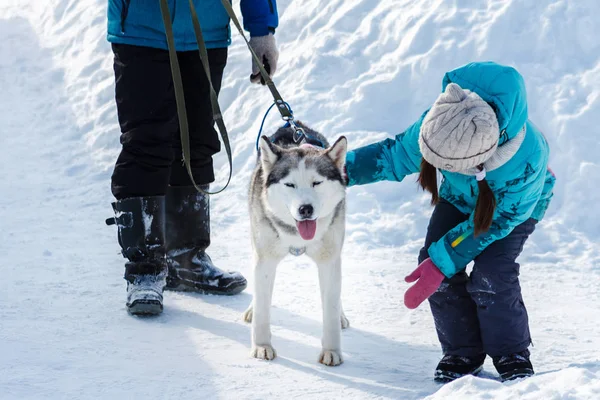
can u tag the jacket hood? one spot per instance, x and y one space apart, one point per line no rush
500 86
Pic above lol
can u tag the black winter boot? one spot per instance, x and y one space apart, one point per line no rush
452 367
514 366
188 236
141 225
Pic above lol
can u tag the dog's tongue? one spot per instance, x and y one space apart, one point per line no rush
307 229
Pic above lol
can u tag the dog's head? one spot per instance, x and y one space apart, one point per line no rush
303 183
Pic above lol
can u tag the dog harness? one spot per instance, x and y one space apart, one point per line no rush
299 134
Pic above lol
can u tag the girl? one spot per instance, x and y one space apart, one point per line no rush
496 186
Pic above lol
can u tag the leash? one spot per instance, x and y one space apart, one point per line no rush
297 138
282 106
179 96
263 123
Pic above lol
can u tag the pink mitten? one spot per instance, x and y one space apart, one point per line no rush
428 277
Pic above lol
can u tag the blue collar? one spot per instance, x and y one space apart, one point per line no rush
297 251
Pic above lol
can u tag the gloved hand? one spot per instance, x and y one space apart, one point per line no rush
265 48
428 277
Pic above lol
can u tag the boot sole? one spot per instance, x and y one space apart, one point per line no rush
145 308
520 373
182 287
449 377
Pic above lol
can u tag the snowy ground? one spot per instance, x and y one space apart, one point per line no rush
361 68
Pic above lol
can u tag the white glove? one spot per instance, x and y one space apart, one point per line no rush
265 48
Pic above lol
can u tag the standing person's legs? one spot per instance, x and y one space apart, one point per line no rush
148 119
188 211
454 312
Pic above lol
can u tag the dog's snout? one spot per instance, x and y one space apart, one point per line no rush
306 211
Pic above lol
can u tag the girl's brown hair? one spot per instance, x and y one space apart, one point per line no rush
486 201
428 180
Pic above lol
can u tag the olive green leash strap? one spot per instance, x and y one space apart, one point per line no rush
180 98
282 107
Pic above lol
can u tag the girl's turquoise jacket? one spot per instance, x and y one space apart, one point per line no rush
139 22
522 186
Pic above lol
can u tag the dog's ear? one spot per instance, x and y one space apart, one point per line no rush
269 152
337 152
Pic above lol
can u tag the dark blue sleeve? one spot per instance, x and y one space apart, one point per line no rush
260 16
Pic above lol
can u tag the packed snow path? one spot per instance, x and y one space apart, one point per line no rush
360 68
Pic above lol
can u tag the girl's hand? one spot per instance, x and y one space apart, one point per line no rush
428 277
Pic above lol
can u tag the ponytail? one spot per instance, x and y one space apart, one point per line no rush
428 180
486 204
486 201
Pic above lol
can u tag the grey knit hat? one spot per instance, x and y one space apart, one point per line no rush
460 131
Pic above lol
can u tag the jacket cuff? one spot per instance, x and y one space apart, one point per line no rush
440 256
350 158
260 30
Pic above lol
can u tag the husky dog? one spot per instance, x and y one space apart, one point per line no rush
297 205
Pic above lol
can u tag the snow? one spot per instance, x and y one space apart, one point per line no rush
364 69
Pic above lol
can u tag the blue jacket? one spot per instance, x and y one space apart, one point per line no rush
139 22
522 186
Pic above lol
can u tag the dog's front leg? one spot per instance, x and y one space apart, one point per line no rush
264 279
330 281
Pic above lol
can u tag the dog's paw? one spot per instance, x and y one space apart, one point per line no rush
248 315
345 322
263 352
330 358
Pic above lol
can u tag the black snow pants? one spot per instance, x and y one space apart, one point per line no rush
482 313
150 159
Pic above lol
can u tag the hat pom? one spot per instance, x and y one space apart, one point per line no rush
453 94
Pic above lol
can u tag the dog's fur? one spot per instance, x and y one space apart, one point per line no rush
274 211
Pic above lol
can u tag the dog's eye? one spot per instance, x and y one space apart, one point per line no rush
317 183
290 185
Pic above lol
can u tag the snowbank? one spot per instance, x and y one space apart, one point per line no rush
365 69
